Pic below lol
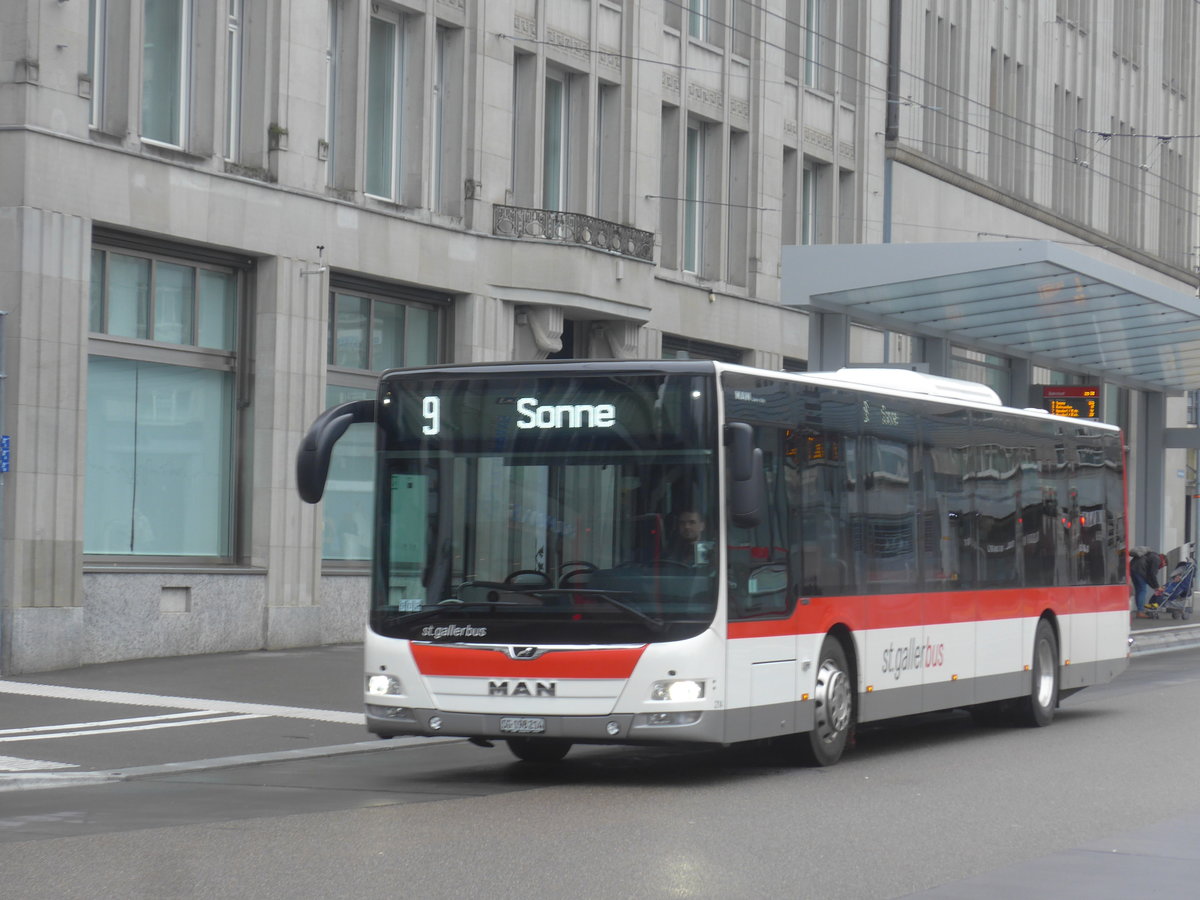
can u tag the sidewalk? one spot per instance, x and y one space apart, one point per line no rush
1163 635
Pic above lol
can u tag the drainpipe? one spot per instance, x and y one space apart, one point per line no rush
891 130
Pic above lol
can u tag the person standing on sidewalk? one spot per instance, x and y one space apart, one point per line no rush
1143 571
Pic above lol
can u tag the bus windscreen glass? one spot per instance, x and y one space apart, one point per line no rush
545 509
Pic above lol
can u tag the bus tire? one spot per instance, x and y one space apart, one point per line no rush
1037 709
539 750
833 715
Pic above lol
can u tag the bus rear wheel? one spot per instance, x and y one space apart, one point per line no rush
833 699
539 750
1037 710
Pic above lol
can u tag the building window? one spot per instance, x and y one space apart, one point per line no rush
669 167
385 89
697 16
678 347
161 408
331 87
792 34
556 144
1071 191
737 210
984 368
693 199
441 51
233 78
741 27
97 17
608 151
812 189
1010 134
818 55
369 331
166 66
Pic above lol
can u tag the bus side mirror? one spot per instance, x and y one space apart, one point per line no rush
747 478
312 459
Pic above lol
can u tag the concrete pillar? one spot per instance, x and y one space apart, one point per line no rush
937 355
1150 474
291 332
44 286
828 341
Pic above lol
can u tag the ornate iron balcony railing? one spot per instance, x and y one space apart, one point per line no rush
572 228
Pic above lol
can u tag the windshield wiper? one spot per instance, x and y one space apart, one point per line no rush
655 625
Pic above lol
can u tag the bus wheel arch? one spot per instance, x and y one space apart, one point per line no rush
835 701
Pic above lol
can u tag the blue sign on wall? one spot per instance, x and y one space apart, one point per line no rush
4 453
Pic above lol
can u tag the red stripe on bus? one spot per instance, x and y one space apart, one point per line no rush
617 662
817 614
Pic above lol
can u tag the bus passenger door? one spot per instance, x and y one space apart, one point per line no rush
761 674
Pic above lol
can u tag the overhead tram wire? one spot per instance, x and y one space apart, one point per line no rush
976 108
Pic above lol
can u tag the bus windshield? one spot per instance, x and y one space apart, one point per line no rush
537 510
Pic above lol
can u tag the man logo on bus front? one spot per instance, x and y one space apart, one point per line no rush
524 652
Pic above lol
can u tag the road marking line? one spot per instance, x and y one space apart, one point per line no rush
17 764
72 817
129 698
36 728
237 717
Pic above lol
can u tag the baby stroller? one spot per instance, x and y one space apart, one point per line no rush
1175 596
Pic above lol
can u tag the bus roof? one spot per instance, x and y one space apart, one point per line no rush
891 381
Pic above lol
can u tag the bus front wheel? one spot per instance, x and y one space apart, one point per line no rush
1037 710
833 700
539 750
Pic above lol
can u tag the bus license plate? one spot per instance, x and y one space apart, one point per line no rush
513 725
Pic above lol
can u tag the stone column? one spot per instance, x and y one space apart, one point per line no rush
290 343
44 284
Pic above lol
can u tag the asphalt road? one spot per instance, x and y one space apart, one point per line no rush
1102 804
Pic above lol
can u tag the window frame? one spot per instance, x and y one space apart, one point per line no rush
693 197
228 361
97 59
234 49
366 381
183 85
555 183
394 149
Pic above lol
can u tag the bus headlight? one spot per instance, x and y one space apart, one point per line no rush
384 684
681 689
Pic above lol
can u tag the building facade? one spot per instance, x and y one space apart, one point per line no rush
219 218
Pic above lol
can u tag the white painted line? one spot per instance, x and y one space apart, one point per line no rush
17 764
238 717
38 780
33 729
223 706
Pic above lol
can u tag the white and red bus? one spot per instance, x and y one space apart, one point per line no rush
858 546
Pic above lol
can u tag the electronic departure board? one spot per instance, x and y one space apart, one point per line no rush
1071 400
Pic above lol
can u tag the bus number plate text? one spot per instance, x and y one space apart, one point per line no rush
514 725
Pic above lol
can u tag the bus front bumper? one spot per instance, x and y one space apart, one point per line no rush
699 726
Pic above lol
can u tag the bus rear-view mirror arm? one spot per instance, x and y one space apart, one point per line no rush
747 479
312 459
